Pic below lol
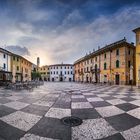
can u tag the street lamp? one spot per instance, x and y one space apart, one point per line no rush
131 76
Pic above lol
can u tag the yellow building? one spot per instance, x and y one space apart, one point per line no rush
16 68
26 69
110 64
21 68
137 32
44 71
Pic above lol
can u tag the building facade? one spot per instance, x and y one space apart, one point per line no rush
5 65
45 73
110 64
26 69
61 72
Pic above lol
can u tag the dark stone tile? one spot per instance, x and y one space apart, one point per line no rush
64 105
108 98
36 109
4 100
123 121
5 110
9 132
128 99
89 113
28 100
79 100
100 104
90 96
51 128
127 106
5 95
117 136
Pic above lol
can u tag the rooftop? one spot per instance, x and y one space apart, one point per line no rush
105 48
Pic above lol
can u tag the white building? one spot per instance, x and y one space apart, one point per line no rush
5 65
61 72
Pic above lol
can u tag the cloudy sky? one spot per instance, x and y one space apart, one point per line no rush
65 30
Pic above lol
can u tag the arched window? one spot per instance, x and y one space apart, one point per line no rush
117 64
105 65
96 66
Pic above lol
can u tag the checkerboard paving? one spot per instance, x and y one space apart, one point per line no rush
108 112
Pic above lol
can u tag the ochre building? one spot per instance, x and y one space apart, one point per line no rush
110 64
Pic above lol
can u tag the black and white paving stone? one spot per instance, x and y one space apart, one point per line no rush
108 112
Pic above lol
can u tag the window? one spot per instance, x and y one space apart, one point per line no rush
105 56
117 64
71 67
71 72
13 57
17 59
96 67
61 67
117 52
68 72
4 56
87 69
129 64
65 72
105 66
91 60
17 68
57 72
96 59
65 67
4 66
129 52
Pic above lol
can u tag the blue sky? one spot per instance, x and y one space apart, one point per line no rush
65 30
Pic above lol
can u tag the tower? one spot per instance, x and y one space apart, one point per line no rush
38 62
137 32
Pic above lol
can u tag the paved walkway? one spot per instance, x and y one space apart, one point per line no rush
108 112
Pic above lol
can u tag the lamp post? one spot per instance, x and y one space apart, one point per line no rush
131 76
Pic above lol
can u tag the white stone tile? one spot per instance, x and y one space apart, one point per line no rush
136 97
15 98
77 96
58 113
95 99
80 105
109 111
116 101
92 129
136 102
16 105
88 93
21 120
132 134
34 137
120 96
102 95
44 103
135 113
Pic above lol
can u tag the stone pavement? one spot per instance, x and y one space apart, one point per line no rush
108 112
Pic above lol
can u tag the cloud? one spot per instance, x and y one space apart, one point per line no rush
62 30
18 50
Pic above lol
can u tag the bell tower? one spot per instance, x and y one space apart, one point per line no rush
38 62
137 32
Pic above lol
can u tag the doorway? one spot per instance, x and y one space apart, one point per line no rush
61 79
117 79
